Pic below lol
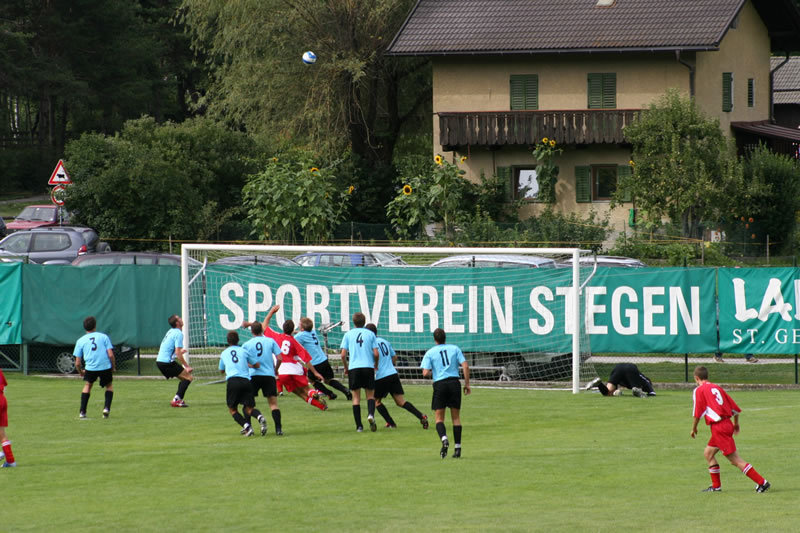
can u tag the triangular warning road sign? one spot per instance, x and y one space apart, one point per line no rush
59 175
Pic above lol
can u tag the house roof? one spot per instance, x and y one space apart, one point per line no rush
444 27
765 129
786 82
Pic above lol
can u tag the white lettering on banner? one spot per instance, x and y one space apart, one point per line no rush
743 314
651 309
422 309
397 307
592 309
797 299
737 335
549 320
773 302
451 307
344 292
505 317
569 308
373 315
472 307
256 305
314 307
631 314
225 297
280 299
678 303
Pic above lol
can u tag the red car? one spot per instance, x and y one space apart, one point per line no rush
34 216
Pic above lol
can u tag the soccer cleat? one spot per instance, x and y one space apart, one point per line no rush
359 429
248 430
719 359
332 396
11 465
752 360
263 423
713 489
321 399
390 426
243 430
179 403
372 425
457 453
424 422
763 488
105 413
349 395
592 384
639 393
82 416
445 445
278 431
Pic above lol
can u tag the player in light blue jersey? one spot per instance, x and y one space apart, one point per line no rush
360 346
442 361
387 381
171 361
94 358
308 339
263 378
235 363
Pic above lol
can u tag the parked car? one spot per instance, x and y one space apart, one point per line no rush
34 216
127 258
46 357
53 244
272 260
371 259
608 261
496 261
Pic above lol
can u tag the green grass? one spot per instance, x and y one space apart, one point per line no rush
533 461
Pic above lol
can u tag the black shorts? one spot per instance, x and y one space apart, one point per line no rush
170 370
106 377
446 393
388 385
325 370
362 378
240 391
628 375
265 384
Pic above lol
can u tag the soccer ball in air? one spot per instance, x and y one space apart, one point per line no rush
309 58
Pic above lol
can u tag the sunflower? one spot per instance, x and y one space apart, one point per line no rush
631 163
438 160
463 158
314 169
350 189
544 141
407 189
274 159
552 143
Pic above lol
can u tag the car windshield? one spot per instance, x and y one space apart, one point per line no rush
37 213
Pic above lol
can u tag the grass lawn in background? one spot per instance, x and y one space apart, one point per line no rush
533 460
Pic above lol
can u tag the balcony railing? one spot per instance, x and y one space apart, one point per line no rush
529 127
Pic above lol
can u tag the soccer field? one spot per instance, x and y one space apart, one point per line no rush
532 461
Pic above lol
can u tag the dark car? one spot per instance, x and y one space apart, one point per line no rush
127 258
53 244
348 259
34 216
272 260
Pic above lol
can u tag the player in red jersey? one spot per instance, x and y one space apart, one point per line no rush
293 363
717 407
9 456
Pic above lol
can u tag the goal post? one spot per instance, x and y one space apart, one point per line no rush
512 321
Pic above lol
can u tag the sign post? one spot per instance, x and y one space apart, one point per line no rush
59 179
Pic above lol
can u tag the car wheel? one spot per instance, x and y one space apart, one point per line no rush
65 363
103 247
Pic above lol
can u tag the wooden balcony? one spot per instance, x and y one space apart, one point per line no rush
526 128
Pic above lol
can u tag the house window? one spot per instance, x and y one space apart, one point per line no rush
602 91
524 91
727 92
526 186
751 92
599 182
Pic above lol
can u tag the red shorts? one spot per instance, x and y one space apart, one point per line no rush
290 382
722 436
3 411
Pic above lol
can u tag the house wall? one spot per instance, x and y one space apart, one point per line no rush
744 51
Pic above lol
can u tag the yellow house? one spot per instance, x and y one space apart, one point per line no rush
508 73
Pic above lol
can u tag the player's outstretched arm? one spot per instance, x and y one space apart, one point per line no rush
736 424
274 309
79 365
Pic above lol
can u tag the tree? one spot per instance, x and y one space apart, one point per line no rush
153 181
685 169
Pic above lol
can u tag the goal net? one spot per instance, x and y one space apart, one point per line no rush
516 313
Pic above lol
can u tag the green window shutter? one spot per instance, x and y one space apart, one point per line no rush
595 91
583 184
727 91
751 92
610 91
507 175
524 91
624 172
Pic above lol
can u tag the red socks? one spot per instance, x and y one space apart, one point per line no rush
313 401
716 482
750 472
7 451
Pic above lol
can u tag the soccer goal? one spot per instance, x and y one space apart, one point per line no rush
516 313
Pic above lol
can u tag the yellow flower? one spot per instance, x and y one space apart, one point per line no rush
631 163
407 189
314 169
438 159
544 141
274 159
351 189
463 158
552 142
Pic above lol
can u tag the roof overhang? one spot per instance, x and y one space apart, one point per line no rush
767 130
556 51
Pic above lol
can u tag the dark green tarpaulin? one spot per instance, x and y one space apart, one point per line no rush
10 303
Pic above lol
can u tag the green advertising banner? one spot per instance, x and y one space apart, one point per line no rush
481 309
758 310
11 303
